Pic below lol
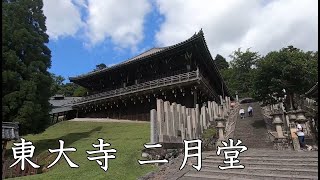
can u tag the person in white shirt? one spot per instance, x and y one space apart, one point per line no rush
300 135
250 110
241 112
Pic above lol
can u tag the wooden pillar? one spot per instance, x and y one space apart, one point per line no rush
195 97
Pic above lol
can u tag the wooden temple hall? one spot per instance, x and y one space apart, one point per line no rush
184 73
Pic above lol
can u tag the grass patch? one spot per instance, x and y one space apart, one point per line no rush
127 138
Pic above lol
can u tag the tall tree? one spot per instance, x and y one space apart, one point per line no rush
221 62
57 84
25 61
288 72
239 77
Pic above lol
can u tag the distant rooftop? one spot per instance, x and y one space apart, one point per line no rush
10 131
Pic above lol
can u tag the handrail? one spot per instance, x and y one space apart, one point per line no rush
146 85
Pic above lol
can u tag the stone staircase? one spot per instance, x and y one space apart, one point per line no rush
260 160
252 131
259 164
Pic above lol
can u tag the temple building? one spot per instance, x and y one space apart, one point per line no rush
184 73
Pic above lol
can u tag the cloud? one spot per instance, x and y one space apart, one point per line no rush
63 18
230 24
121 21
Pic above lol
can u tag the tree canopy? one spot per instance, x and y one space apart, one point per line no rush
66 89
26 58
287 71
239 76
221 62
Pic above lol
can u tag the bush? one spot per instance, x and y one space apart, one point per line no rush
209 137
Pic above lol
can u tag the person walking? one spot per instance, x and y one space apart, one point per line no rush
250 110
241 112
300 135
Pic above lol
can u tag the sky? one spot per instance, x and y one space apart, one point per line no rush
84 33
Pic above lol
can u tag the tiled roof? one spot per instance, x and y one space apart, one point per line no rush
62 102
10 131
60 109
144 55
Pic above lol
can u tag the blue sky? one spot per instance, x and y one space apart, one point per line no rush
84 33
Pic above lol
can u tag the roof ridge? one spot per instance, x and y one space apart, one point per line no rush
194 36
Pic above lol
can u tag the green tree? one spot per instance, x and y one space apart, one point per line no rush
26 58
221 62
290 69
57 84
80 91
239 77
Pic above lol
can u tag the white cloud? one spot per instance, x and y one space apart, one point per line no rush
230 24
63 18
121 21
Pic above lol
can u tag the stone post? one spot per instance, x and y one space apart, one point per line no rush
167 118
174 119
220 127
221 100
160 117
278 123
189 128
154 136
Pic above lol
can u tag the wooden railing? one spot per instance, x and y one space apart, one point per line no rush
167 81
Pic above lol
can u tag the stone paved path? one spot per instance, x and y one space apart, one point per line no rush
259 164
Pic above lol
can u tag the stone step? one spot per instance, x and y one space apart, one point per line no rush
215 177
238 174
216 163
283 159
270 153
269 170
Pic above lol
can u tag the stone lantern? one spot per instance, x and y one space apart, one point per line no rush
278 123
221 127
302 120
292 118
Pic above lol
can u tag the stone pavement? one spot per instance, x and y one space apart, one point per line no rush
259 164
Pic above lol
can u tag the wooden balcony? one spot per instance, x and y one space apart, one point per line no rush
177 79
